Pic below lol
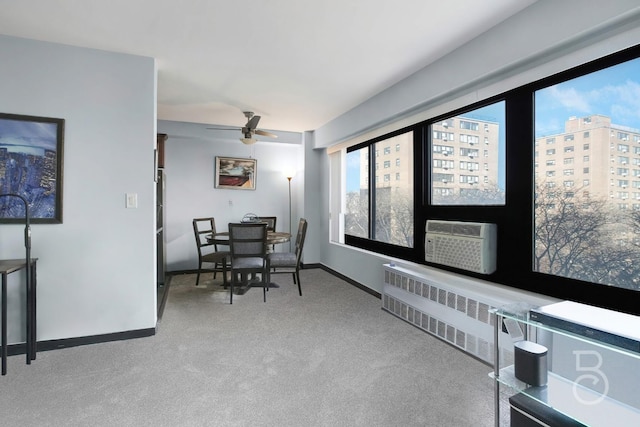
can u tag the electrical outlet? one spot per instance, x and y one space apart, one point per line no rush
230 202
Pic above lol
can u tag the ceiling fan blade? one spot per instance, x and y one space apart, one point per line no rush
224 129
253 122
265 133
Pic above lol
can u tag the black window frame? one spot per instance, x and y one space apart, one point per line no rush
515 219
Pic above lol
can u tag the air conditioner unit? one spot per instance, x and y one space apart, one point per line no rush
469 246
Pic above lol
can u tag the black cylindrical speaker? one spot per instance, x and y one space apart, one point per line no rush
530 360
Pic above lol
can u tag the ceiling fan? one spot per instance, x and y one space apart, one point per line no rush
249 130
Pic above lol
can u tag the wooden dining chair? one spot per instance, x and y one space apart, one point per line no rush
270 221
248 249
208 252
289 262
271 225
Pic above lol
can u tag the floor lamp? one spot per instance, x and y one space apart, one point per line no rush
27 231
27 245
289 176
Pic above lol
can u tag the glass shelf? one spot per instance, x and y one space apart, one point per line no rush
600 390
520 314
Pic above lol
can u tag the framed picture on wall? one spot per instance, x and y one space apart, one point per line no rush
31 154
236 173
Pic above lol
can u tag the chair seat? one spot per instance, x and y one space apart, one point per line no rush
215 257
247 263
282 259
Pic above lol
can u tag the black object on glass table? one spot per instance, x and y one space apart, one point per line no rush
530 362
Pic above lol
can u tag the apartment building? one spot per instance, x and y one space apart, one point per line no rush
592 158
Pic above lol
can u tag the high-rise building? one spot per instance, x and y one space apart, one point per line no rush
592 158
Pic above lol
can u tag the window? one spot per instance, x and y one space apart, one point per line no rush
577 241
464 124
584 243
384 214
491 119
356 218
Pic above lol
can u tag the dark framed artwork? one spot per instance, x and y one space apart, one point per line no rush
236 173
31 154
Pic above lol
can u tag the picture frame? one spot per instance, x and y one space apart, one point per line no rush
31 166
236 173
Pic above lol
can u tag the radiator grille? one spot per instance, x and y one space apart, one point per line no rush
451 304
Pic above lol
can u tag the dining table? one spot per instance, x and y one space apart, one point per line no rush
273 238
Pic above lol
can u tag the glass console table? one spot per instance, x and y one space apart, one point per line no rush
589 382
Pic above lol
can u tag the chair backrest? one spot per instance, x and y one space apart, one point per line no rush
201 228
248 240
302 234
270 221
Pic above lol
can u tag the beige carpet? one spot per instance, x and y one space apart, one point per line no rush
329 358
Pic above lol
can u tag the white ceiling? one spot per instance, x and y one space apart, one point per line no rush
298 64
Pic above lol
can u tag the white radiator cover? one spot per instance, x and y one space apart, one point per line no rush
451 307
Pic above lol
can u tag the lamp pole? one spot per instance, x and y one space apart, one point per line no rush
27 244
289 179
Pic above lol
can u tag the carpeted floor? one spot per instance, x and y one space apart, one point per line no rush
329 358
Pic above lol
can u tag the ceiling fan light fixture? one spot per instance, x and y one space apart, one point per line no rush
248 141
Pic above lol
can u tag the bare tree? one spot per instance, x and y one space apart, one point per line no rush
356 219
583 238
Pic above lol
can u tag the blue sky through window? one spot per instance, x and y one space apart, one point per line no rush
612 92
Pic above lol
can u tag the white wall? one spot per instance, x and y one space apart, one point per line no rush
190 152
544 39
96 270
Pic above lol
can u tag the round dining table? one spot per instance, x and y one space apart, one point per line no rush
273 238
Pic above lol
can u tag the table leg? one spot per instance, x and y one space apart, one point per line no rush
34 342
4 324
27 340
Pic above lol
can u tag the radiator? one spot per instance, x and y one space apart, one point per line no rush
452 307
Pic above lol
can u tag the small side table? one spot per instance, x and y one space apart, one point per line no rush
7 267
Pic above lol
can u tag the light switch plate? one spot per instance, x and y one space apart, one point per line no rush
131 200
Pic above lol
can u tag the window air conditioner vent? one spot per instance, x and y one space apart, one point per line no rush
466 245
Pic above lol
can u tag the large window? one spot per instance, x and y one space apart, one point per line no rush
555 164
384 214
356 219
468 184
590 236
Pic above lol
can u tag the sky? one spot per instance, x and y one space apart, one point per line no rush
613 92
28 137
